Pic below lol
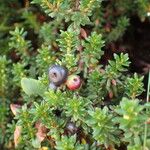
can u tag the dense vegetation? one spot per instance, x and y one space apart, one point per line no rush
96 105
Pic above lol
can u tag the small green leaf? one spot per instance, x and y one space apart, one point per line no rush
36 143
32 87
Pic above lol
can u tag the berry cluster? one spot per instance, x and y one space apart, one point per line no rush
58 75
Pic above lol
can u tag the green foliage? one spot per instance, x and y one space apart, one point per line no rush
105 112
86 8
131 117
3 76
104 130
54 98
56 8
134 86
44 58
18 42
76 109
92 52
3 99
129 110
26 123
3 120
119 30
31 20
46 31
110 79
43 109
68 143
141 7
94 81
68 44
114 69
18 73
114 72
32 87
76 11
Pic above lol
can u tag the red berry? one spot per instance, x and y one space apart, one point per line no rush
73 82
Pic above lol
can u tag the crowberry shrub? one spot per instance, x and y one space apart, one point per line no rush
59 89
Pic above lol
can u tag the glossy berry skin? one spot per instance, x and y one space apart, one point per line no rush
52 86
71 127
73 82
57 74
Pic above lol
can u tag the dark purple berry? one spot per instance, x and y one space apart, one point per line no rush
71 127
57 74
52 86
